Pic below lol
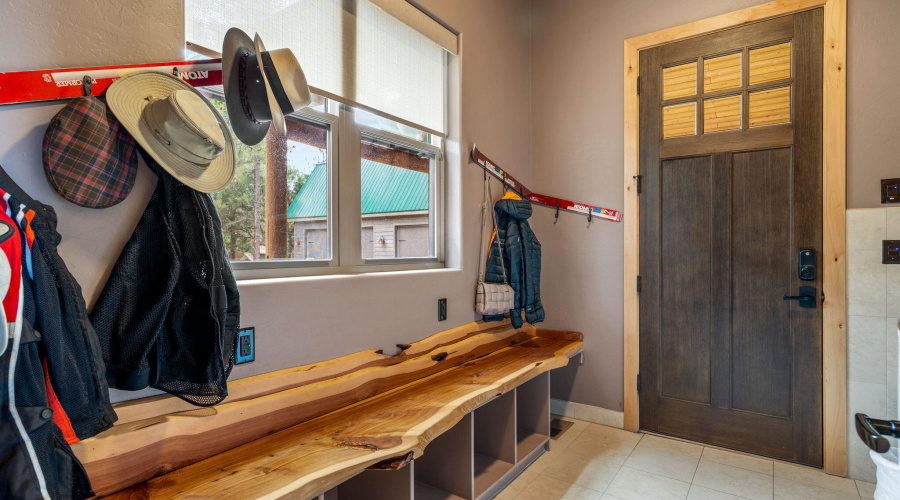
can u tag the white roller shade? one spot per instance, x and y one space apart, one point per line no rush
351 50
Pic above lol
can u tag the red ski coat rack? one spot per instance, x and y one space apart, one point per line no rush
51 84
591 211
47 85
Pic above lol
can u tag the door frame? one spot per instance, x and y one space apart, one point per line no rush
834 165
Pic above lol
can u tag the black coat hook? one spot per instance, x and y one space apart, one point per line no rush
175 71
556 217
590 216
87 85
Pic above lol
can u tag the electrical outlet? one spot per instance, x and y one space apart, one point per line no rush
890 252
246 345
442 309
890 190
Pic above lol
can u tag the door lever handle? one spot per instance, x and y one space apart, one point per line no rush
807 297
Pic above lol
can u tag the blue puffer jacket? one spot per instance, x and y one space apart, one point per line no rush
521 256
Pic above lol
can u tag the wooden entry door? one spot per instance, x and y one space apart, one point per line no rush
731 164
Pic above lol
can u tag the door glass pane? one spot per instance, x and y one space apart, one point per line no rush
395 202
680 120
770 63
768 107
721 73
276 207
680 81
720 114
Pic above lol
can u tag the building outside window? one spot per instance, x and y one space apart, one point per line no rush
394 213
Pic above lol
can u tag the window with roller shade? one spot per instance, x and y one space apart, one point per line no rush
378 83
352 51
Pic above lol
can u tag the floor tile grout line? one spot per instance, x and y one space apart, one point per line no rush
697 467
621 466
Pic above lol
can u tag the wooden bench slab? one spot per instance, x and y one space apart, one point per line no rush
389 428
158 435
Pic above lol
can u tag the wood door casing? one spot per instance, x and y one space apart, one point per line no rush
723 359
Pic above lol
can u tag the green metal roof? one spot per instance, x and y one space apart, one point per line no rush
385 189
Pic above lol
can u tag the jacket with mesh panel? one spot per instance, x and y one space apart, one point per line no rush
521 256
54 390
168 315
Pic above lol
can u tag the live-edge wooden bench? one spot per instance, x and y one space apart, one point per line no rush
454 416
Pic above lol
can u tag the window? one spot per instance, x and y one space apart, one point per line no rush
278 211
397 186
258 209
356 185
749 87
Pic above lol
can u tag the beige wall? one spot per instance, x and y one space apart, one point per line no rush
577 115
302 320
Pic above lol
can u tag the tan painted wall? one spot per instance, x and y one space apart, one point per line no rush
577 152
303 320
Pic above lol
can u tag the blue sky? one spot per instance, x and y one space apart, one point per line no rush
302 157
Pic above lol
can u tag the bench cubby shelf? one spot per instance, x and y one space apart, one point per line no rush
474 459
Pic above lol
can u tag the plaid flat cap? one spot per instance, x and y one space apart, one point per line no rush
89 158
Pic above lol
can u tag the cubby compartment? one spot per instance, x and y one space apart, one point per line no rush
495 441
532 415
375 485
444 471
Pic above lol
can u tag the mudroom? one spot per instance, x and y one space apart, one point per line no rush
450 249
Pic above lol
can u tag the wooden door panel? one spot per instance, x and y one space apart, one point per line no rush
763 33
731 429
761 249
724 359
726 142
685 301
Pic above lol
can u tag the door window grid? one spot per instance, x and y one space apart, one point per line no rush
737 91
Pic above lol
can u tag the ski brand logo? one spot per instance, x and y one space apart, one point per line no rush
580 208
47 78
68 83
194 75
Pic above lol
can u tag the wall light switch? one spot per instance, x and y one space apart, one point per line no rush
890 190
246 346
890 252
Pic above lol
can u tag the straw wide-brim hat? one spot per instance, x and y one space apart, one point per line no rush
128 96
286 85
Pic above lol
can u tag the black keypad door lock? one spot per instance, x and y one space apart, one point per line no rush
806 264
807 297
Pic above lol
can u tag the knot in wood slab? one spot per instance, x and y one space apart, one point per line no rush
439 356
368 443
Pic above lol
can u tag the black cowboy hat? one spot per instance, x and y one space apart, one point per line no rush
260 86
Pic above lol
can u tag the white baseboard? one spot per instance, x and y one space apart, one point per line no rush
588 413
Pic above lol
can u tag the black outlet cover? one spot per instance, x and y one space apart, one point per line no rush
890 252
442 309
890 190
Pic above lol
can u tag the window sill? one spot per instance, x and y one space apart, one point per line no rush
262 276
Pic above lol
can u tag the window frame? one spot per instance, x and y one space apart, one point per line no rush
435 190
344 214
246 269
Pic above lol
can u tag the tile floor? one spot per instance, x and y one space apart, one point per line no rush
595 462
